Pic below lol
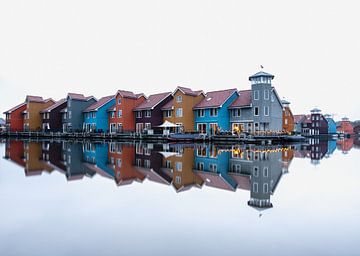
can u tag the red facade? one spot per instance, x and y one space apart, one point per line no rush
15 118
345 127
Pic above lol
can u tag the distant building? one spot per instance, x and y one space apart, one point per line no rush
331 124
288 118
2 125
298 121
345 126
258 109
315 124
212 114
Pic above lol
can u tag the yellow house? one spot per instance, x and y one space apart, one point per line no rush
181 167
33 163
32 117
180 111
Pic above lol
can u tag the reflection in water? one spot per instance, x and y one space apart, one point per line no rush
257 169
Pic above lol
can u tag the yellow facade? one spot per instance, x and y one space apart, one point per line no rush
186 120
32 118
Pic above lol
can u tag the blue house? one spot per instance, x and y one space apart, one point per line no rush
213 168
96 117
331 125
95 158
212 114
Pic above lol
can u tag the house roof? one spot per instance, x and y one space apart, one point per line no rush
261 73
152 101
244 99
215 98
78 96
216 180
168 105
99 104
52 107
15 108
298 118
111 109
30 98
188 91
128 94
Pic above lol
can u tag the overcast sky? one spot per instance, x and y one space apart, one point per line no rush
50 48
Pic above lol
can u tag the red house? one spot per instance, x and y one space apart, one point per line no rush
345 126
15 118
121 115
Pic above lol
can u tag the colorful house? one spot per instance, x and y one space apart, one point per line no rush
259 109
315 124
121 115
15 118
331 124
357 129
298 120
148 115
288 118
72 115
212 114
52 116
32 116
96 116
180 111
345 126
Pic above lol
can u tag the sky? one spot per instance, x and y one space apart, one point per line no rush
50 48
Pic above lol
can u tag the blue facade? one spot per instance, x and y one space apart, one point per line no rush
221 120
99 118
331 125
97 154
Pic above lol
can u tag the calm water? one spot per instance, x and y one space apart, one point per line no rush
72 198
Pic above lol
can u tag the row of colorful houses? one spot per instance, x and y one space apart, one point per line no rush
184 110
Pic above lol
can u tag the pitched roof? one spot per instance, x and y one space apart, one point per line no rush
244 99
111 109
128 94
261 73
78 96
30 98
298 118
99 104
215 98
52 107
217 180
188 91
15 108
153 100
168 105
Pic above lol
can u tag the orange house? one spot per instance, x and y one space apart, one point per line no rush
288 117
180 111
121 115
345 126
15 118
32 116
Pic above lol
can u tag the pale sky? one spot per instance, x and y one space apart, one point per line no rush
49 48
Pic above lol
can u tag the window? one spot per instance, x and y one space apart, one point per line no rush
138 162
201 112
236 168
201 127
266 171
256 95
179 112
200 166
266 188
213 167
167 113
138 114
178 166
237 112
147 163
120 127
118 162
119 113
256 171
179 99
93 114
119 101
255 187
168 164
148 113
177 179
69 104
266 110
69 114
256 111
112 114
272 98
286 121
213 112
266 95
201 151
147 126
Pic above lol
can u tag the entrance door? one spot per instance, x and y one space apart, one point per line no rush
214 128
201 128
120 128
112 128
139 127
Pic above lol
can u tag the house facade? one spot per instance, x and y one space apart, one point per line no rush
315 124
72 115
148 115
180 111
288 117
259 109
331 124
345 126
96 117
121 115
212 114
298 120
52 116
14 118
32 116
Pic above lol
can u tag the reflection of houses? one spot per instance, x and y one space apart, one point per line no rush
213 167
345 145
14 152
331 147
149 161
33 155
357 129
316 150
180 167
121 158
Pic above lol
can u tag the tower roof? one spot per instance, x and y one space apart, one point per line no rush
260 74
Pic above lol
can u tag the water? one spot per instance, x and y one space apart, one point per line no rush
65 198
